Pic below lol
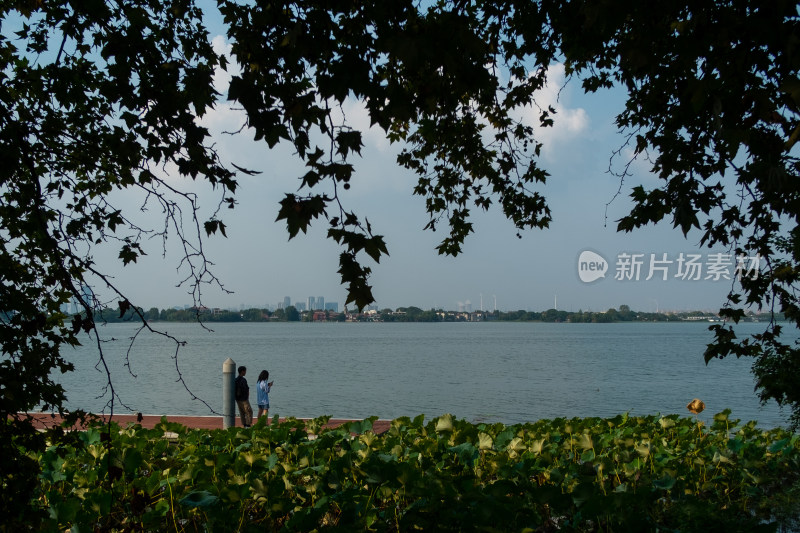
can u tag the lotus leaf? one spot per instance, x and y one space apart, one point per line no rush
537 445
199 498
419 477
466 452
444 423
643 449
485 441
666 423
719 458
664 483
584 442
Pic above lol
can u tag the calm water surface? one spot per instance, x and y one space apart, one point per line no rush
497 372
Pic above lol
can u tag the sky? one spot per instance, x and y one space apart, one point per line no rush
497 270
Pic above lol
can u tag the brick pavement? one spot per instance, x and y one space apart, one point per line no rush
43 420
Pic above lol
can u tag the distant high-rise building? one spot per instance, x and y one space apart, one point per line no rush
320 303
87 294
332 306
311 302
287 301
75 305
300 306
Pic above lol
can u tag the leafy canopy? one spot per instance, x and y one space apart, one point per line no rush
98 96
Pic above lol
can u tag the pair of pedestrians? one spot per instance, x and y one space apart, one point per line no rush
243 396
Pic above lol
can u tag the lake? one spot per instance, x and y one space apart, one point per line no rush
481 372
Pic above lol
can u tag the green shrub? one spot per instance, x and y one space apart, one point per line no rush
619 474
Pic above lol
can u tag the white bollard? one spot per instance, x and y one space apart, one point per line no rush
228 393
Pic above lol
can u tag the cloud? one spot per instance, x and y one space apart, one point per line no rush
568 123
356 115
222 78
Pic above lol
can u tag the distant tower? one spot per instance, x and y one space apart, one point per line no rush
311 303
87 293
75 306
320 303
287 301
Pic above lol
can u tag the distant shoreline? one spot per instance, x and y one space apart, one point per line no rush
415 314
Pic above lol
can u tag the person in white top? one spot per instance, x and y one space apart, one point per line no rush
262 391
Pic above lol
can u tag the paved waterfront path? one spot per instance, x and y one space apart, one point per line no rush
43 420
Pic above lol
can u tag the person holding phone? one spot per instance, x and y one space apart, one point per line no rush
263 388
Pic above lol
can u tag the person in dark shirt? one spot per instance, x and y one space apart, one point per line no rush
243 398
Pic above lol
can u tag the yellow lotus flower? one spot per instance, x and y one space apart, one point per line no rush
696 406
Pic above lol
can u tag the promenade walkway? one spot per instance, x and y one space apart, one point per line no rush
44 420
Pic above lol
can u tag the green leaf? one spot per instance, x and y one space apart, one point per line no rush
485 441
537 445
212 226
666 482
360 427
65 511
132 461
516 445
719 458
643 449
124 307
299 212
199 498
444 424
348 141
779 445
466 452
666 423
129 253
100 502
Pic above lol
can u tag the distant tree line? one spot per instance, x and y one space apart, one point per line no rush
408 314
623 314
289 314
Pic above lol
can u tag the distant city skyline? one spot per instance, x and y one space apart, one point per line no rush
312 303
